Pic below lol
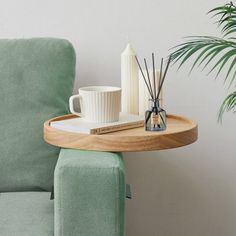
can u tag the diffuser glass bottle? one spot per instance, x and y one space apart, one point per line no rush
155 117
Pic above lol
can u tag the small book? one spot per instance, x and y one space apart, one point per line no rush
80 125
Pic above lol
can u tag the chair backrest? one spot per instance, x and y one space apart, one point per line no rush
36 80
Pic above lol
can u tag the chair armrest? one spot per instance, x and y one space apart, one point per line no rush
89 193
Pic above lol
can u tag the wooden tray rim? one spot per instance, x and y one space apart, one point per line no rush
151 141
191 122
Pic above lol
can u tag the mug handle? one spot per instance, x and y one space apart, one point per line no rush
71 104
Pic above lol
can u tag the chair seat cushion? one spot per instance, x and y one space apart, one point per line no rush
26 214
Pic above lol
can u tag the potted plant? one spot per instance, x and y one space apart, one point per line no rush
218 53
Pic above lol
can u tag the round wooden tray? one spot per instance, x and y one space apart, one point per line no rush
180 131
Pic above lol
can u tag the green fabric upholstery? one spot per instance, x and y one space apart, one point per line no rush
36 80
26 214
89 194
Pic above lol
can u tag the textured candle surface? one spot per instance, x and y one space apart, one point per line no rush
129 81
143 91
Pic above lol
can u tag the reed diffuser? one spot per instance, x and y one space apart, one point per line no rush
155 116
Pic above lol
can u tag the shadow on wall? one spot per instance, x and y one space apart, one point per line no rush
168 198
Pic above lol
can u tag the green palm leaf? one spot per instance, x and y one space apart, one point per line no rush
208 49
229 104
228 17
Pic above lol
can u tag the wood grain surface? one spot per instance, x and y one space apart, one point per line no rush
180 131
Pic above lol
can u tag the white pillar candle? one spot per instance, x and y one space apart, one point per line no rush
129 81
144 95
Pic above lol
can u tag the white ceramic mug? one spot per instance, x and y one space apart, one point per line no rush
99 104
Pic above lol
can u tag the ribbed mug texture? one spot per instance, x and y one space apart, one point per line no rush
100 104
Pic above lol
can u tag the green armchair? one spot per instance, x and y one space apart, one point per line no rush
36 80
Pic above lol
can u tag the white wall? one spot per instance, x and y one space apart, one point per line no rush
189 191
